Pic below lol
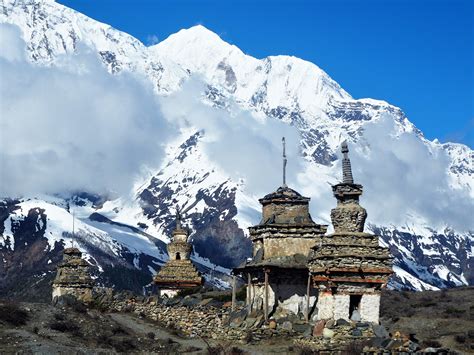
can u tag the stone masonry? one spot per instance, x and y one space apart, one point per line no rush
349 267
179 272
73 277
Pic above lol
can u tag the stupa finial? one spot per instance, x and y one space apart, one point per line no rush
178 218
346 165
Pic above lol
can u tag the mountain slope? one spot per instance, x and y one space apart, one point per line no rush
220 205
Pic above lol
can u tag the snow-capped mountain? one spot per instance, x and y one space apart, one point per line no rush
218 205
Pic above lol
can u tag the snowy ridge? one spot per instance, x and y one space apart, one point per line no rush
218 208
51 30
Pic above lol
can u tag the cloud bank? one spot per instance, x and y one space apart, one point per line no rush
73 126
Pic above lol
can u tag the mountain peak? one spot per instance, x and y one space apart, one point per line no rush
199 32
194 39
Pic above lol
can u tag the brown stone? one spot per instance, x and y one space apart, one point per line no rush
318 328
272 324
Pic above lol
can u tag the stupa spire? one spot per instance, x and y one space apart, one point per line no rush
178 219
346 165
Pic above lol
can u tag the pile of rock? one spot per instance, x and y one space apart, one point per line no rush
188 316
197 315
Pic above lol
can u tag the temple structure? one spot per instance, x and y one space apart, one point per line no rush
73 277
179 272
349 267
277 274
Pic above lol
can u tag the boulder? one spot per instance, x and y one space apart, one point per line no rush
362 325
237 318
318 328
328 333
330 324
301 327
342 321
205 302
287 325
380 331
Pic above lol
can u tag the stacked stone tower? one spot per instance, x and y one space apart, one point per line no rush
349 267
179 272
73 277
277 274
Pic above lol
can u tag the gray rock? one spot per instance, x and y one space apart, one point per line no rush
380 331
330 324
355 316
237 318
412 346
328 333
356 333
302 328
287 325
190 301
342 321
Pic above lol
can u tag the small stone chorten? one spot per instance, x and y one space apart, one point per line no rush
179 272
73 277
277 274
349 267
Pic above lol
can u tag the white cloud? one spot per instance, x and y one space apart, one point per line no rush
73 126
403 176
76 127
244 146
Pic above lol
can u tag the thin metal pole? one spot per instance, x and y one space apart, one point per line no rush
306 313
284 162
249 290
266 296
233 293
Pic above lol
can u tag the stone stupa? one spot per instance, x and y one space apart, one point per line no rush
73 277
179 272
349 267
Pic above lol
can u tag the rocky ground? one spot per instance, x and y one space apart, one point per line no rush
438 318
435 319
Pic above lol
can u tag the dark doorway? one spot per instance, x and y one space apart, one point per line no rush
354 305
178 256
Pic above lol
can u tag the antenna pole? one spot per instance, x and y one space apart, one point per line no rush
284 161
73 219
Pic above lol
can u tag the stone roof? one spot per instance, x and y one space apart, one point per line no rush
178 274
284 194
296 261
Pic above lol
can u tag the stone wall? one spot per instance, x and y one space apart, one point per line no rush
81 293
282 298
286 213
370 307
325 305
337 306
341 306
277 247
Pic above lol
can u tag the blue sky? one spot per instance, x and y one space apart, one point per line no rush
418 54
